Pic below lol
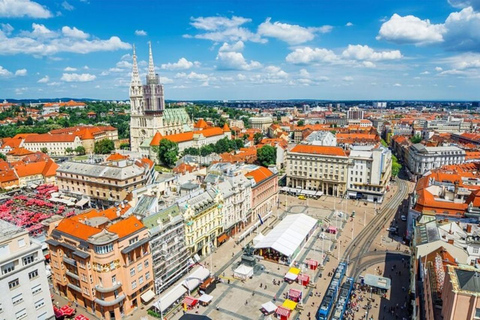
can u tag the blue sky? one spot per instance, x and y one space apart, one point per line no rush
344 49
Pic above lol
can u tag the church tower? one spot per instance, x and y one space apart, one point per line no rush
147 104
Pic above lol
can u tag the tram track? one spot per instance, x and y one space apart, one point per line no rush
359 247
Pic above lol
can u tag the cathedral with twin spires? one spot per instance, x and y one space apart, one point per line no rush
147 105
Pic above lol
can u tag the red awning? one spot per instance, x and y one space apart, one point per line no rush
222 238
190 301
281 311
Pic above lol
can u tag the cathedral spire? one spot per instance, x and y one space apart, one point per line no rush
151 67
135 76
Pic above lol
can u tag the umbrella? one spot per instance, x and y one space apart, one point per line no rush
81 317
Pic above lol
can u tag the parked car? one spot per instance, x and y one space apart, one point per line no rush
403 217
302 197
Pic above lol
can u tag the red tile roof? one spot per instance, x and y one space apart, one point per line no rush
201 124
329 151
156 139
46 138
260 174
126 226
116 157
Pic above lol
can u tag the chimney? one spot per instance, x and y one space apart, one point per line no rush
451 241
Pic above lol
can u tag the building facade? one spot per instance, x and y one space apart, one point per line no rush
460 294
318 168
261 123
104 183
101 261
355 113
203 221
167 242
264 192
422 159
369 173
23 276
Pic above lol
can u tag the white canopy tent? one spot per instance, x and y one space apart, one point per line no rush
243 272
196 278
287 237
259 237
205 298
269 307
170 297
291 276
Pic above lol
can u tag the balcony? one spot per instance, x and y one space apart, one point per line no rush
103 289
69 261
73 275
104 303
74 287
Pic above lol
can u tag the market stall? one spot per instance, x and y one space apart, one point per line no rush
268 308
312 264
292 275
243 272
189 302
294 295
205 299
303 279
283 313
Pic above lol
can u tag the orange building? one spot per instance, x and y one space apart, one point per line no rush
264 192
102 261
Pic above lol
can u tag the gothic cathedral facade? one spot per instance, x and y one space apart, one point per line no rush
147 108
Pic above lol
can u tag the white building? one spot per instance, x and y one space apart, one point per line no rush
23 271
379 105
422 159
236 190
261 123
369 173
321 138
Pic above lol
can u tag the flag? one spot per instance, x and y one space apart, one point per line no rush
259 217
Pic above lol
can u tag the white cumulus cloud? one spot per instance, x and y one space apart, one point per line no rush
6 28
410 29
74 33
359 52
347 79
44 79
4 72
67 6
181 64
21 72
76 77
23 8
141 33
192 76
349 24
235 61
237 46
309 55
289 33
70 69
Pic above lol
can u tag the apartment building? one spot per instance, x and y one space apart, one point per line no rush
167 242
369 173
318 168
460 293
105 183
422 159
23 276
203 221
56 144
264 192
102 261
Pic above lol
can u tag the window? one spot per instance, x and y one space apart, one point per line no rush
477 313
132 271
132 241
134 284
42 316
8 268
13 284
104 249
27 260
21 242
21 314
33 274
17 299
147 275
475 249
37 289
140 280
146 264
40 303
140 267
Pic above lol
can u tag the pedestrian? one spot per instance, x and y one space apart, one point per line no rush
265 287
261 284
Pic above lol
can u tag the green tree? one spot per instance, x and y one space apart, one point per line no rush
300 123
104 146
168 152
396 166
416 138
80 150
222 146
125 146
267 155
68 150
3 157
192 151
257 137
44 150
206 150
